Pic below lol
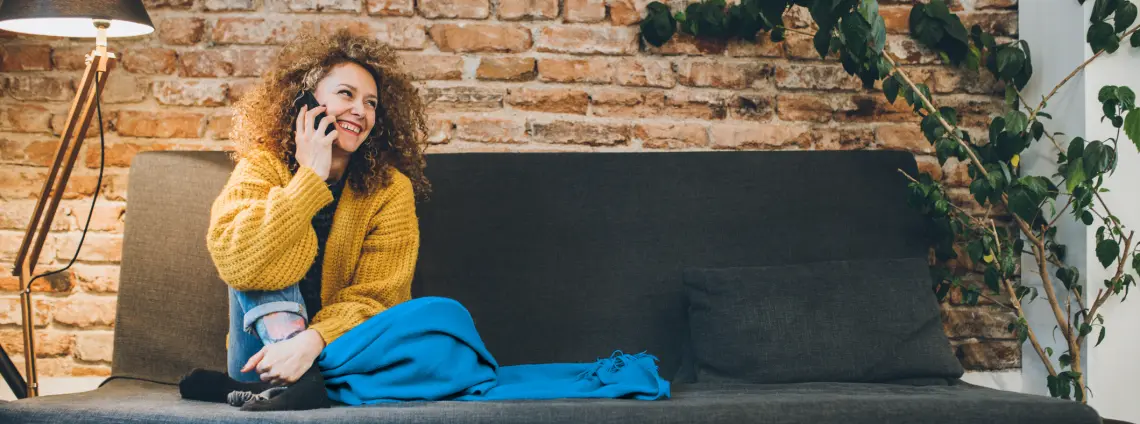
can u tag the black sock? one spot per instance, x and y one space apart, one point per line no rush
214 386
307 393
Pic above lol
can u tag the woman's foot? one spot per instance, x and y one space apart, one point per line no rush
214 386
307 393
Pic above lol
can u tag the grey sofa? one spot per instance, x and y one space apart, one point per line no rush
563 257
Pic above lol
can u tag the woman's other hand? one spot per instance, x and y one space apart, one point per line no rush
314 147
284 362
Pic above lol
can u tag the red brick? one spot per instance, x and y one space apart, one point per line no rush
61 283
391 7
906 137
763 47
995 4
97 247
996 23
87 311
168 4
433 67
39 88
909 52
490 129
463 99
115 155
205 63
440 130
10 312
252 62
645 73
225 5
955 173
506 68
991 322
234 30
25 118
896 18
929 165
159 124
401 34
671 136
48 343
326 6
528 9
15 58
89 371
481 37
97 278
579 132
108 217
554 100
181 31
39 153
125 89
875 108
220 126
628 12
148 60
626 103
719 74
843 138
800 46
760 136
804 107
990 355
974 112
685 44
587 40
698 105
27 183
753 107
587 70
961 80
191 93
59 118
815 77
95 346
585 10
465 9
238 88
70 58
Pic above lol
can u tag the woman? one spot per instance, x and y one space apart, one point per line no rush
314 233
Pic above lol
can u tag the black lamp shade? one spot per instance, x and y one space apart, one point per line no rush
73 18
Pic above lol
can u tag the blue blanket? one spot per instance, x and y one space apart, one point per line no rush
428 349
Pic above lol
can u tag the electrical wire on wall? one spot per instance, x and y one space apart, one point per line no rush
94 197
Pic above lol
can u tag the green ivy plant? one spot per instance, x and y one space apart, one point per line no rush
855 30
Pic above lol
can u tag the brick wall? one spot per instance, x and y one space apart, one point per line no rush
501 75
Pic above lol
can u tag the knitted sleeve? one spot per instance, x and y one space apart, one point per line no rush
261 235
383 276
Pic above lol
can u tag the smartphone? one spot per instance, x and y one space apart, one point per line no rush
306 98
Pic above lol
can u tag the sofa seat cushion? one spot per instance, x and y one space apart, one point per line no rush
123 400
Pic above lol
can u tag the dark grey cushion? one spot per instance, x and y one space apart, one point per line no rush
820 403
843 321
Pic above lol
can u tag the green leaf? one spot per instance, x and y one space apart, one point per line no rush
1132 124
822 41
1015 121
891 89
1037 129
658 26
1009 61
1125 16
1106 251
1100 338
1011 97
1135 39
869 9
1106 93
1101 10
1045 115
1126 96
1087 218
1068 276
1076 175
1049 351
937 9
878 33
1054 385
1100 36
1023 203
992 279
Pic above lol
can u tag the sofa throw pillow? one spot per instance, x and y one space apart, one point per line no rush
840 321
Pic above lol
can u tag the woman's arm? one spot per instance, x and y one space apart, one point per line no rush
261 235
383 276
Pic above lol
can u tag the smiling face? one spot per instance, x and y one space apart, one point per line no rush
349 92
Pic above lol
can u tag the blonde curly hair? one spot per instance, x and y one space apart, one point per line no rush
264 120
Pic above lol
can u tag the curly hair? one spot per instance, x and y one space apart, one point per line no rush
263 116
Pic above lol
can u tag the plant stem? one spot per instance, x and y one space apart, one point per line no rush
1074 73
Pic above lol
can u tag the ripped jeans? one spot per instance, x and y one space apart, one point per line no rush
246 307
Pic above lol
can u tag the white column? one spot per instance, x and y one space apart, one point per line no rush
1055 31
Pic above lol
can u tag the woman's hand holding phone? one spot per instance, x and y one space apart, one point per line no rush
314 146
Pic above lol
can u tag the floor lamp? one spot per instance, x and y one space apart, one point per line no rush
97 19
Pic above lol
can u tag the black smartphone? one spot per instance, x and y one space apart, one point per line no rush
306 98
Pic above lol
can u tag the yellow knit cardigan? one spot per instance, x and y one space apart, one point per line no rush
261 237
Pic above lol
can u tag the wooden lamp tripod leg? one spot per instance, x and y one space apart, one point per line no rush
71 139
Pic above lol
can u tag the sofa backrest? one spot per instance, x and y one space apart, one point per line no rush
560 257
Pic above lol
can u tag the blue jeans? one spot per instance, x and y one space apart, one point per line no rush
245 308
